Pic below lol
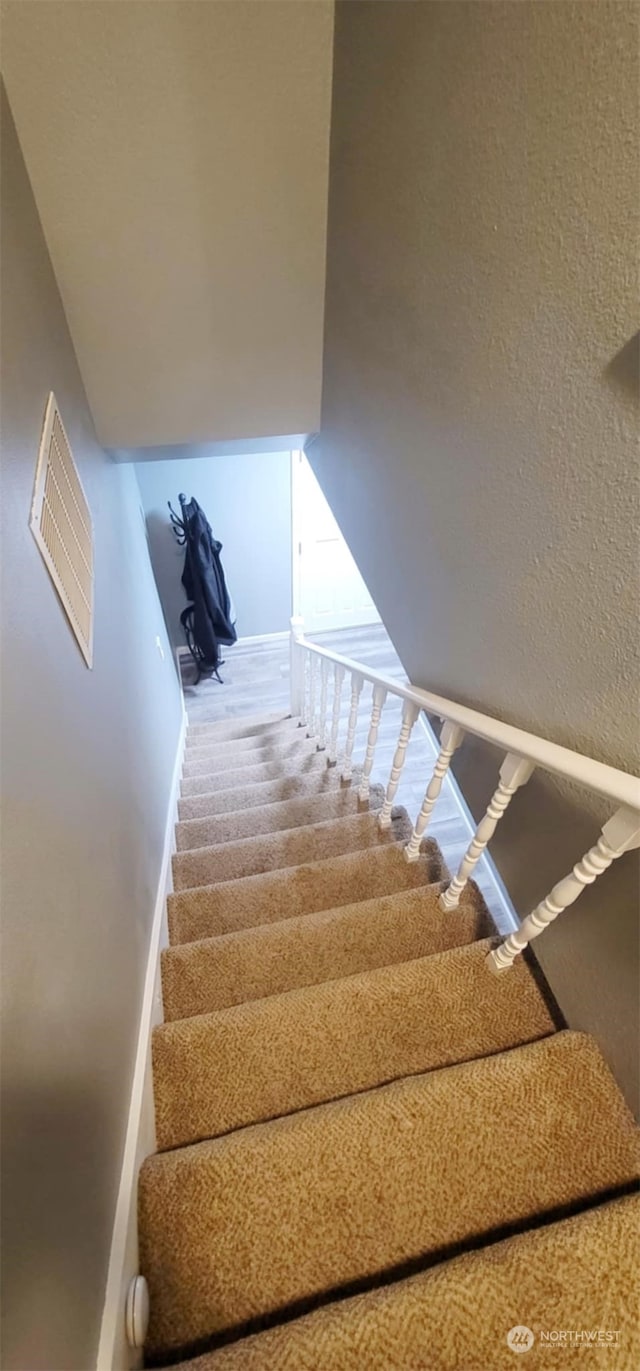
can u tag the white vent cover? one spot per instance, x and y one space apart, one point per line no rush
61 525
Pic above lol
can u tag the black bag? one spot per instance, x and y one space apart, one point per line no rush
207 620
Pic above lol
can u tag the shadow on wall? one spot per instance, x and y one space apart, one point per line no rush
623 371
167 560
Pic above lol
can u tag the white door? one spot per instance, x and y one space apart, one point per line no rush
328 590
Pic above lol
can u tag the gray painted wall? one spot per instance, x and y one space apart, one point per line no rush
480 406
87 761
247 500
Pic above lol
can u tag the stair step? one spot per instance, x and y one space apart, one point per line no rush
215 973
258 1221
573 1274
306 765
254 743
264 792
207 761
223 1071
273 818
274 851
270 896
245 726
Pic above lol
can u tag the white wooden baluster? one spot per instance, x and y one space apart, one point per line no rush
297 670
409 715
620 834
324 684
514 772
307 689
338 678
356 690
312 727
450 738
378 699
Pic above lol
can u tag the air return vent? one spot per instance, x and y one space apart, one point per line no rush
61 525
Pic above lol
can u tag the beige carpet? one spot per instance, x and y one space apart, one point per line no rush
346 1097
241 747
204 760
575 1276
272 818
209 910
255 726
235 1067
224 777
254 795
271 958
292 847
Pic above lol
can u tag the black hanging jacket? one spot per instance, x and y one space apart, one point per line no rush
207 619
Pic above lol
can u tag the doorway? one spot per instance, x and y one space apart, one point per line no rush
328 590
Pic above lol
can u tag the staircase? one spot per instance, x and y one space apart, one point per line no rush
372 1153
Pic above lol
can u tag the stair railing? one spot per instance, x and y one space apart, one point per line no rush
523 753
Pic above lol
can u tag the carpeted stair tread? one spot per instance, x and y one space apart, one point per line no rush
272 818
256 742
294 846
226 1070
252 963
305 764
207 760
208 911
577 1273
245 726
276 1214
262 793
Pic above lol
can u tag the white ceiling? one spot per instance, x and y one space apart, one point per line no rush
178 153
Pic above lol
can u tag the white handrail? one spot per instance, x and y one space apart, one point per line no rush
604 780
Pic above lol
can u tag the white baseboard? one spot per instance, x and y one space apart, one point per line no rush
262 638
486 861
242 642
114 1353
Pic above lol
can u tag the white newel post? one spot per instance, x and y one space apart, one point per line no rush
620 834
324 685
450 738
514 772
338 678
296 669
410 713
379 697
312 727
356 690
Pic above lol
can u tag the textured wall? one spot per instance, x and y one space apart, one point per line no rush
480 406
87 761
179 157
247 500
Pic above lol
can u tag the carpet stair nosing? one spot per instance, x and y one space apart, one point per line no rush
573 1273
271 959
227 1070
251 856
256 742
208 761
254 795
246 755
245 726
269 896
204 782
276 817
274 1214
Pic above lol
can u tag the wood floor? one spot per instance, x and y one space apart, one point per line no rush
256 680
